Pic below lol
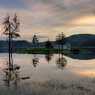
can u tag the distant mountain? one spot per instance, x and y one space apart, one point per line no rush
80 40
16 44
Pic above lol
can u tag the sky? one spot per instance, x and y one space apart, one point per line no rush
50 17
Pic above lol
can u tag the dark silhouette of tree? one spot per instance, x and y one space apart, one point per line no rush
60 38
60 41
35 41
48 45
11 27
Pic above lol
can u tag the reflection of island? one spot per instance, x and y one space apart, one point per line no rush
61 62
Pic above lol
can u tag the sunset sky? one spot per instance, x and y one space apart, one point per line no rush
50 17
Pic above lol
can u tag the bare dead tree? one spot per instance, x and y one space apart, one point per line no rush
11 27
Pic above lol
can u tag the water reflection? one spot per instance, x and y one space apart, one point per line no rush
11 75
35 60
61 62
14 75
74 71
48 57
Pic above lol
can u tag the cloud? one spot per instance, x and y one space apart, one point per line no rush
53 15
60 11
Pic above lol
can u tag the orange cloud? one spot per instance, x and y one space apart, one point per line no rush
84 20
86 73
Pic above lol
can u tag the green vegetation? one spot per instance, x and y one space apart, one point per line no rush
51 50
39 51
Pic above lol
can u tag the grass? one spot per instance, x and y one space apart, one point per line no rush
49 50
39 51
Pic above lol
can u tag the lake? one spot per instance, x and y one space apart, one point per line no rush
46 77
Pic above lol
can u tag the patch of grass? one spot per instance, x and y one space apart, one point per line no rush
39 51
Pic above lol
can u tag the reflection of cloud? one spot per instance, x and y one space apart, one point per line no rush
83 68
87 73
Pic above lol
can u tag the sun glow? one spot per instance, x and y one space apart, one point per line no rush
85 20
87 73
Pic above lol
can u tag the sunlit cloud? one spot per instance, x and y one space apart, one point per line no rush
85 20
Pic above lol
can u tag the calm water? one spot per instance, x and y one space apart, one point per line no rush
49 77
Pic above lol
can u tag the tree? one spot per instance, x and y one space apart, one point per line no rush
48 45
11 27
60 41
35 41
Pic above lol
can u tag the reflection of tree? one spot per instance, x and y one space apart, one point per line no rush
12 75
61 62
48 57
35 61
